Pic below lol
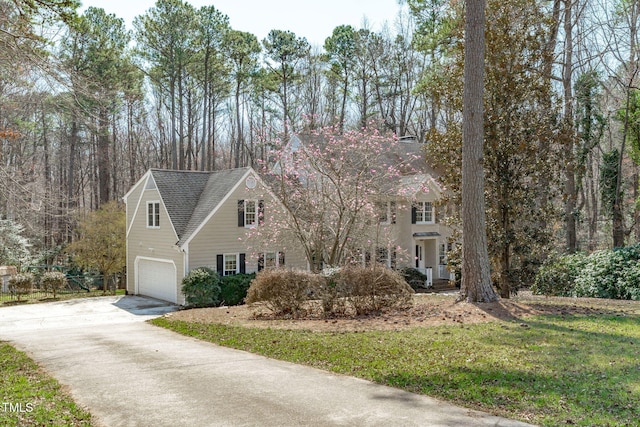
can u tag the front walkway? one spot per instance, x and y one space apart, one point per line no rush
129 373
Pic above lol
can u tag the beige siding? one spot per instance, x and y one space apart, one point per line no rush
151 243
404 230
221 234
132 200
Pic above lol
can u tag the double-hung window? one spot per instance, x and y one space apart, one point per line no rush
153 214
250 213
270 260
386 212
230 264
424 213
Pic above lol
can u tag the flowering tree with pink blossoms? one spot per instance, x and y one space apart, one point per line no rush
334 189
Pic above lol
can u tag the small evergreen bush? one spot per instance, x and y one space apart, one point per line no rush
414 277
21 284
234 288
558 274
283 291
53 281
373 288
201 288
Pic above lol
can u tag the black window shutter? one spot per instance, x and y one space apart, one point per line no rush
261 212
243 265
261 262
281 260
414 214
220 264
240 213
417 253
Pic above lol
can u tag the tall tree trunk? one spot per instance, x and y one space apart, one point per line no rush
239 128
174 141
343 107
181 159
571 194
104 169
73 143
131 145
285 106
47 181
476 278
205 112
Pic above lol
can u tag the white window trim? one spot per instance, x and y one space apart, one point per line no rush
264 258
424 211
388 260
224 263
155 213
389 213
442 254
256 213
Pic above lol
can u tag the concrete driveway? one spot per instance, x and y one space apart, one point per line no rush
129 373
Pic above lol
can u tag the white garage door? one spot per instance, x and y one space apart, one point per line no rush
157 279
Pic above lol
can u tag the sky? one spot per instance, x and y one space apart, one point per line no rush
312 19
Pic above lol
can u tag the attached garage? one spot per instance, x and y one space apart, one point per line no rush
157 279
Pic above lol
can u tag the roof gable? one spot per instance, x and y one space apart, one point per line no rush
180 192
190 196
218 186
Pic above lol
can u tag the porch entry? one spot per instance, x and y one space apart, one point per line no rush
431 257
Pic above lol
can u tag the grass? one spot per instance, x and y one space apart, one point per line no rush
38 297
554 370
28 397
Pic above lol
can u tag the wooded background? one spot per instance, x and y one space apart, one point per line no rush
86 107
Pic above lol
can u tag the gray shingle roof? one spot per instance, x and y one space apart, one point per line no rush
190 196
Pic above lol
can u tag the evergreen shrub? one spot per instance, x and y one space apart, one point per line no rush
611 274
234 288
558 274
414 277
201 287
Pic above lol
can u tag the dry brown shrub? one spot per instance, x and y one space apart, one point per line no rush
283 291
375 287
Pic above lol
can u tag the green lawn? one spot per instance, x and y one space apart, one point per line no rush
554 370
29 397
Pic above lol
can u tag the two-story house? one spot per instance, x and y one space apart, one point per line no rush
181 220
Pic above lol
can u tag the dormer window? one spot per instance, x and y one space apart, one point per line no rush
153 214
